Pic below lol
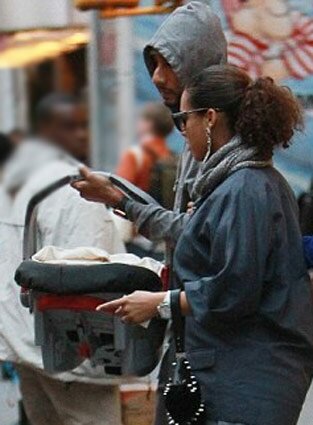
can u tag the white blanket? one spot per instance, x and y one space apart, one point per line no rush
90 256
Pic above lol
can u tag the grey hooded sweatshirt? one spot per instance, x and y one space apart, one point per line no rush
190 40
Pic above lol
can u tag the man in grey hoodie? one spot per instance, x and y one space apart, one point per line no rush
190 40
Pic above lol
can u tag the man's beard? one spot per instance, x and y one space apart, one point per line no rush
173 107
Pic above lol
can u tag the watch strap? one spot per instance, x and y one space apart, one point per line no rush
177 321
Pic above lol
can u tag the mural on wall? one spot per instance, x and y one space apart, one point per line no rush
269 37
265 37
275 38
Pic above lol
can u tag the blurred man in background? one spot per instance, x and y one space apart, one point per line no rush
9 398
17 135
85 395
62 120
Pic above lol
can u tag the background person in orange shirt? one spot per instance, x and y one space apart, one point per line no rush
137 164
151 166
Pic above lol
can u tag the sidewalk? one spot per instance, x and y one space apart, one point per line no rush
8 403
306 417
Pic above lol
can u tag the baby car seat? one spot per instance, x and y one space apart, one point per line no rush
63 299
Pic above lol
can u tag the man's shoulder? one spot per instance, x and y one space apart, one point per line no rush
48 174
38 181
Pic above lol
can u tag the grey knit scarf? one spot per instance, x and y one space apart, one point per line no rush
230 158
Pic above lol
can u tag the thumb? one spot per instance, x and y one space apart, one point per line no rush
85 172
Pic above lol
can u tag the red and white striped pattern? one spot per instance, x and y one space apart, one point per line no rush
297 51
246 53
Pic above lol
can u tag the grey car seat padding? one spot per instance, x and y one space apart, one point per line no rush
61 279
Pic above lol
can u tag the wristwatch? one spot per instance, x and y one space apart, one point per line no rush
164 308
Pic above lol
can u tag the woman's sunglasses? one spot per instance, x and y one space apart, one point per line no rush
180 118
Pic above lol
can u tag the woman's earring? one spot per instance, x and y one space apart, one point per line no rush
209 144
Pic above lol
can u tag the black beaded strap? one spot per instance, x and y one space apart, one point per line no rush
178 321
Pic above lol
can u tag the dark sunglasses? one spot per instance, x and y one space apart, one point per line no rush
180 118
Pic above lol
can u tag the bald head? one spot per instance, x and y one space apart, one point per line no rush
62 120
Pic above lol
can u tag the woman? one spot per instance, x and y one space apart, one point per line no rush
239 262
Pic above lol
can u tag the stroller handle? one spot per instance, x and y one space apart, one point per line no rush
129 189
29 240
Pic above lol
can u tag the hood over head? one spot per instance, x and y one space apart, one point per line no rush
190 40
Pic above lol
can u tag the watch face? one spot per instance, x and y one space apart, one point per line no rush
164 311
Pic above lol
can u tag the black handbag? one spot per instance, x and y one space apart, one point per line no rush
182 392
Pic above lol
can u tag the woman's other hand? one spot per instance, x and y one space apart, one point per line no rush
190 208
97 188
136 308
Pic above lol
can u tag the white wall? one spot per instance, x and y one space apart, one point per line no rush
125 65
14 106
28 14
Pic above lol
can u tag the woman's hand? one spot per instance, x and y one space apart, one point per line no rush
97 188
190 208
136 308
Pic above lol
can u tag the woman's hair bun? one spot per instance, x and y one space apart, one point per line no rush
268 115
263 113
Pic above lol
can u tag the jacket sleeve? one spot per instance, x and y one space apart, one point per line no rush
155 222
308 250
237 234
